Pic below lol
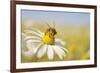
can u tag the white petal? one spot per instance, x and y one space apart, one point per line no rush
33 50
59 42
59 51
66 50
32 43
50 52
32 37
23 42
36 48
33 32
28 53
23 35
37 30
41 51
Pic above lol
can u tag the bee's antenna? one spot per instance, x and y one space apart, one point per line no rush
53 24
48 25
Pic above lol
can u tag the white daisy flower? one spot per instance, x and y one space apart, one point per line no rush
39 44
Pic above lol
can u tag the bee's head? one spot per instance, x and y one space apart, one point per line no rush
51 31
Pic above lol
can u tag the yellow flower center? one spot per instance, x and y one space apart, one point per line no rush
48 38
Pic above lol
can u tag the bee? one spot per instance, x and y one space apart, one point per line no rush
49 35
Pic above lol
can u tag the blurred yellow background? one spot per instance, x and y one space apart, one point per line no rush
76 38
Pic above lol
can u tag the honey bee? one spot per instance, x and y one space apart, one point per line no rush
49 35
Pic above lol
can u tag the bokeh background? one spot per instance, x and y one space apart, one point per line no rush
72 27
